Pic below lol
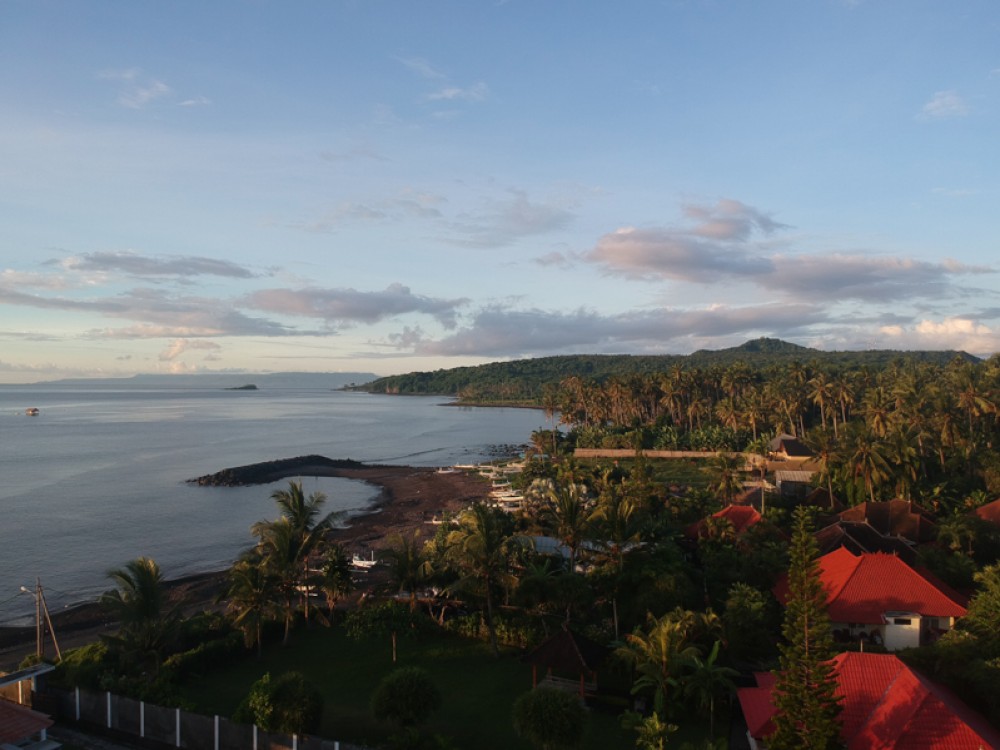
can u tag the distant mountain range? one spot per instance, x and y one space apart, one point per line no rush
275 380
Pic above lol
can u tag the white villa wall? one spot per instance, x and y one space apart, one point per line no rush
902 630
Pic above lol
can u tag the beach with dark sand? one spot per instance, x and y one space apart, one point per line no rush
409 497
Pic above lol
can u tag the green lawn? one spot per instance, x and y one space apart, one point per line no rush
478 691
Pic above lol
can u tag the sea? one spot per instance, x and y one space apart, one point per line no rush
98 477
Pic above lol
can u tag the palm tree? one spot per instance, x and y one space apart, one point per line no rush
480 550
617 522
251 599
843 392
826 449
657 653
727 482
148 621
408 565
821 394
958 533
280 552
334 577
299 514
877 410
901 455
706 679
567 514
867 460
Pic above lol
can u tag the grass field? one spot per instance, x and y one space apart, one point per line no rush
478 691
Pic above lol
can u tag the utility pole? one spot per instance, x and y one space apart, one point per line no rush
41 608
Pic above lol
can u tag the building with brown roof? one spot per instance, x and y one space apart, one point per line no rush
902 518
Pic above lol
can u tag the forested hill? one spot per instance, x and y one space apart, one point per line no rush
524 380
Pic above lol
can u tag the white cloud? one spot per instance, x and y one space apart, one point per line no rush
475 93
498 332
135 264
958 333
350 306
670 254
198 101
505 220
421 67
720 247
178 347
945 104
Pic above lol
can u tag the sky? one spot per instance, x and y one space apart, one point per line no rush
390 186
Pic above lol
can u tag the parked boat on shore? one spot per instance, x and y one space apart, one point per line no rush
364 563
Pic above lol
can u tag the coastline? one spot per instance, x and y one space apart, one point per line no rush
408 498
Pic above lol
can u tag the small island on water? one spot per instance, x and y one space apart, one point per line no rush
247 387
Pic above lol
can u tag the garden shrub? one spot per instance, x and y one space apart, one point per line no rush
550 719
206 655
407 697
290 704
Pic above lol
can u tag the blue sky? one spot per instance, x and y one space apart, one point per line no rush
397 186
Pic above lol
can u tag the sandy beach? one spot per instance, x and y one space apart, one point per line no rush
409 497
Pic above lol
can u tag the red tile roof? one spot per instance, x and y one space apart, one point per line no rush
861 588
742 517
19 723
886 706
990 512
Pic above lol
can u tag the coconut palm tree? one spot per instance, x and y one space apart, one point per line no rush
280 552
148 621
617 522
408 565
826 449
727 482
479 550
705 680
821 393
251 599
567 514
867 461
334 578
657 653
300 517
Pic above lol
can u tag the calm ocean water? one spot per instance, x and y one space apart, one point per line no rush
98 477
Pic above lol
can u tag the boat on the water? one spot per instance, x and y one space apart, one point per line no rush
32 411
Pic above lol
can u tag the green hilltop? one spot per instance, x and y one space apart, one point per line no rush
525 380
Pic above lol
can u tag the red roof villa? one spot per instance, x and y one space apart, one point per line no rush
885 706
880 597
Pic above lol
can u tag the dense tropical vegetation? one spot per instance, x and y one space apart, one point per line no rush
605 548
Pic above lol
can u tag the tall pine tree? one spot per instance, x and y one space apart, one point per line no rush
807 708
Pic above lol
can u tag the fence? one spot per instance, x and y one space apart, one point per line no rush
630 453
172 726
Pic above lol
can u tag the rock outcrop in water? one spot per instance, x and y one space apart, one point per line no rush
272 471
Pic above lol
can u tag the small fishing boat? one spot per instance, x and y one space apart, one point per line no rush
364 563
32 411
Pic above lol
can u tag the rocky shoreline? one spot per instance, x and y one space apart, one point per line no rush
410 497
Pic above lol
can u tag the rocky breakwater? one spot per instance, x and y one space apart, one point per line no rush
273 471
